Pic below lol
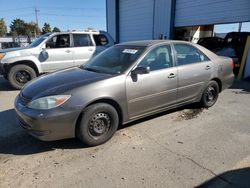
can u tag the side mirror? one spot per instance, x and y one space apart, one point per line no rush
45 54
141 70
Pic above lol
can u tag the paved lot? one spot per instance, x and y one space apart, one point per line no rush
182 148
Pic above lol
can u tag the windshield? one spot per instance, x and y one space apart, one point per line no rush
39 40
115 60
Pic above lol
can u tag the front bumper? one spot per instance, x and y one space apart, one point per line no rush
47 125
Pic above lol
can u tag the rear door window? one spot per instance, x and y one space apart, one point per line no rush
187 54
81 40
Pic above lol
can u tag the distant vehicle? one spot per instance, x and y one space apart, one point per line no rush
231 46
123 83
211 42
51 52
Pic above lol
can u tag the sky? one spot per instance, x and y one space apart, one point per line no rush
64 14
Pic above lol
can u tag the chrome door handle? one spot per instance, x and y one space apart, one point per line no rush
172 75
67 51
207 67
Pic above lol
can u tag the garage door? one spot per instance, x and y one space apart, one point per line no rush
136 19
201 12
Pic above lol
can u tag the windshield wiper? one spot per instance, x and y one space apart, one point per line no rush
91 69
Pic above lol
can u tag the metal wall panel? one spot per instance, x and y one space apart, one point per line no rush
111 17
201 12
136 19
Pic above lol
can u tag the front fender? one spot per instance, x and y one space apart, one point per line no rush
33 59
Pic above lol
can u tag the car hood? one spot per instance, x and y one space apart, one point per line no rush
61 82
13 49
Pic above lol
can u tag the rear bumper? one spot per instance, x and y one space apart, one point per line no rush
47 125
227 81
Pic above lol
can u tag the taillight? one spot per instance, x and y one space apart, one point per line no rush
232 64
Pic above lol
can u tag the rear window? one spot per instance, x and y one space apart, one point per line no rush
100 40
81 40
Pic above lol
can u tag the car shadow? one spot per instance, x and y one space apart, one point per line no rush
5 85
229 179
14 140
242 85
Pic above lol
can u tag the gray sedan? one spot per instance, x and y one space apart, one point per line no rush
125 82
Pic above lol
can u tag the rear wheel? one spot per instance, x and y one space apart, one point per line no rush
20 75
98 124
210 94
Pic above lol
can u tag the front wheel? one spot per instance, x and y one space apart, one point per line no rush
210 94
98 124
20 75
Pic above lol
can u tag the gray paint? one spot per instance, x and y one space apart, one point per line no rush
136 95
202 12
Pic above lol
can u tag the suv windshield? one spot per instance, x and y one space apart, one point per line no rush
39 40
115 60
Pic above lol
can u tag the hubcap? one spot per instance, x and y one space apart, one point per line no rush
99 124
210 94
23 76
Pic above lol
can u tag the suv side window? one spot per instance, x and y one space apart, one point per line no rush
81 40
158 58
59 41
187 54
100 40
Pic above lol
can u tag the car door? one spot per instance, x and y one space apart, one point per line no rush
194 71
83 48
58 53
156 90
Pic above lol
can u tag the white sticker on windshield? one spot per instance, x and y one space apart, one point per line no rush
130 51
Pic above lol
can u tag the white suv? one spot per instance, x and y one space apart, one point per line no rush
50 52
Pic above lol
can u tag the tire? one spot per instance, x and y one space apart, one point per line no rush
20 75
98 124
210 94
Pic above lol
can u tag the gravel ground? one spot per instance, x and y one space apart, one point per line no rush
186 147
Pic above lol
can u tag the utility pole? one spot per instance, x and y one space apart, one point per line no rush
36 11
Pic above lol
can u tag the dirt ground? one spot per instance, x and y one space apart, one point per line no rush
185 147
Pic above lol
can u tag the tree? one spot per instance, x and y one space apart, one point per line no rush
46 28
56 29
31 30
3 27
18 26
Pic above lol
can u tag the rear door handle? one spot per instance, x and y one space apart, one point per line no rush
172 75
207 67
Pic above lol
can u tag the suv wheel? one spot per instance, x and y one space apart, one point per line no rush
98 124
20 75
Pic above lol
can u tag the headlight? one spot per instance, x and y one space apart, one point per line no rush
49 102
2 55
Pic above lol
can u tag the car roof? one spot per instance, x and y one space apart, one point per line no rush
147 43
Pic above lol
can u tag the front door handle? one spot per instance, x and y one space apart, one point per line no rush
172 75
207 67
67 51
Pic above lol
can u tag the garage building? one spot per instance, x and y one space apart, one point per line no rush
167 19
